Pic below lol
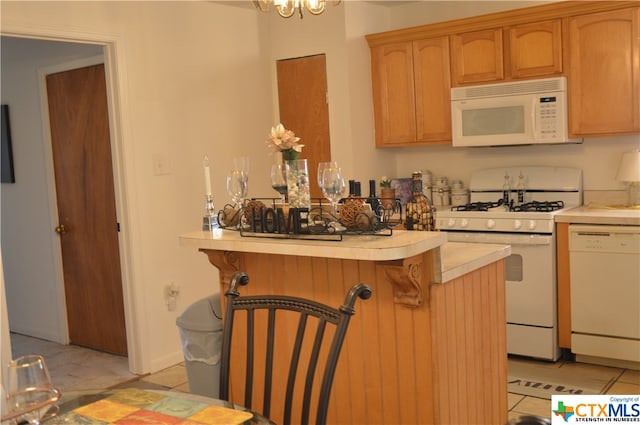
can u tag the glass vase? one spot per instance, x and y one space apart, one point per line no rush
299 193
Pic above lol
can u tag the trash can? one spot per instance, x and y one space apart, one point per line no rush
200 327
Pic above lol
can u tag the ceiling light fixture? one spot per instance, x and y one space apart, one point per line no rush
286 8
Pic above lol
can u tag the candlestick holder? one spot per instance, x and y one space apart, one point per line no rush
210 219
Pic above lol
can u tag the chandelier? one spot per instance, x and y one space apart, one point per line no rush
286 8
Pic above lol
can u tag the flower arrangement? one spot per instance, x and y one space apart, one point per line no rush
385 182
282 140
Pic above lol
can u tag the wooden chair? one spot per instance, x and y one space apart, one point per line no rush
265 326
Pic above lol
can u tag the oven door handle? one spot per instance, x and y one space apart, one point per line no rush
500 238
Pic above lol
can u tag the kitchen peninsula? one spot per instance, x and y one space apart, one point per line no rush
429 347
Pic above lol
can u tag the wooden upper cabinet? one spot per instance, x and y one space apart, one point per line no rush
433 96
393 94
535 49
411 93
476 57
604 73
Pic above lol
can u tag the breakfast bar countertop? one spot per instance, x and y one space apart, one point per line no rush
459 258
455 258
401 244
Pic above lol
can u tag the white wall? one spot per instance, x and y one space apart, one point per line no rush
199 77
190 81
5 342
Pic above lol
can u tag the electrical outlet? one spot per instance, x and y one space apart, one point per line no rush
171 304
171 293
174 289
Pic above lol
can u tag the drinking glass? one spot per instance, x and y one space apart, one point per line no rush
279 180
30 392
237 186
322 166
333 187
241 163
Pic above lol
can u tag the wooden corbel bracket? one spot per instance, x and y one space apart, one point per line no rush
406 276
227 262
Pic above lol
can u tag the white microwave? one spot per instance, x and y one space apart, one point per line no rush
513 113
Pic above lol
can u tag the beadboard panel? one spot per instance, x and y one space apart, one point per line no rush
399 363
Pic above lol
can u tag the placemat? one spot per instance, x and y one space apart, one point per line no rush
135 406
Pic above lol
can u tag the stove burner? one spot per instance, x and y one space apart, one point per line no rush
535 206
478 206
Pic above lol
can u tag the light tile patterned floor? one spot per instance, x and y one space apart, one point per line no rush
74 367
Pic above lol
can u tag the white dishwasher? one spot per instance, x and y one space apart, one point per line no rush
605 291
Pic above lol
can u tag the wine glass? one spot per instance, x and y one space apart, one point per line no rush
322 166
279 180
237 186
333 187
31 393
241 163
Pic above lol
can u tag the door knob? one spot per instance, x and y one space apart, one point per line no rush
61 230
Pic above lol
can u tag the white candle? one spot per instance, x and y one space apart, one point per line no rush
207 175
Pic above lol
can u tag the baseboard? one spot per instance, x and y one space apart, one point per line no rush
166 361
624 364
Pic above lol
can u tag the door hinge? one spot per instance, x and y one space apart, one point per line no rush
118 227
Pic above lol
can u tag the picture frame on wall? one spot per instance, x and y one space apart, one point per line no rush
6 153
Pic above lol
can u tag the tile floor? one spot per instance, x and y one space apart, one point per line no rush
74 367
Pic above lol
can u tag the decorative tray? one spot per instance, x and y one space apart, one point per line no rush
270 218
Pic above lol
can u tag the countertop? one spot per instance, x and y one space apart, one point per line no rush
402 244
456 258
600 214
459 258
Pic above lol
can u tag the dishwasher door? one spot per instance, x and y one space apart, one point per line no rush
605 291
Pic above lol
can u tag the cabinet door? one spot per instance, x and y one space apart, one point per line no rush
433 96
477 57
535 49
604 73
393 94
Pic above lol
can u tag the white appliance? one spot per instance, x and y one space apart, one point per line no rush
605 291
514 113
529 228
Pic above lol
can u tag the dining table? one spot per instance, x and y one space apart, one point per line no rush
129 406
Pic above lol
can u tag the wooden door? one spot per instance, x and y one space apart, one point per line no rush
604 73
477 57
394 102
303 97
88 226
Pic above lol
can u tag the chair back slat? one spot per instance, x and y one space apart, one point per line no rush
248 384
311 370
268 364
293 368
316 354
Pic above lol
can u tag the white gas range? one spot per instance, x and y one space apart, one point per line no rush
526 222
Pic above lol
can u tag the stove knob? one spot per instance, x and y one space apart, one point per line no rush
517 224
491 223
451 222
464 223
532 224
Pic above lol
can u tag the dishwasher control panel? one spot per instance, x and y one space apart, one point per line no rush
622 239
